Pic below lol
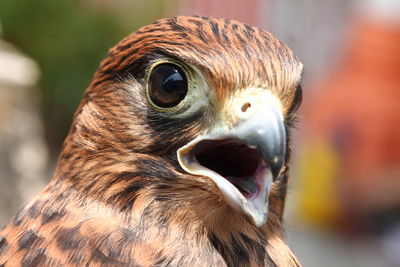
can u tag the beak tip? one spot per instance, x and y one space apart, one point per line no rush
276 165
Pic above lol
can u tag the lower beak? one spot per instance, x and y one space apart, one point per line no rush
242 159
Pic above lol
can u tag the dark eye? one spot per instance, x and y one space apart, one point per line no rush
298 96
167 85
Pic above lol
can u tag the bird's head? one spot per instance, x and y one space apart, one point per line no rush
211 100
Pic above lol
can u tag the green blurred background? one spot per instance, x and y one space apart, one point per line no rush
68 39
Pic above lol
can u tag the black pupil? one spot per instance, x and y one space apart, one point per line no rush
167 85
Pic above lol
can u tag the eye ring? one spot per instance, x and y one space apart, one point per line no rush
167 85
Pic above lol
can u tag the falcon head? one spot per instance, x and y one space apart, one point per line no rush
200 107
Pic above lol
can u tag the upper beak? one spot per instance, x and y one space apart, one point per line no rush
251 137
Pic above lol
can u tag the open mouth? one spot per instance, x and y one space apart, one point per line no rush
234 160
241 153
239 170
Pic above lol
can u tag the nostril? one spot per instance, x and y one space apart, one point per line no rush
245 106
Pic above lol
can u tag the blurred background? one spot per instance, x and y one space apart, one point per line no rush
344 201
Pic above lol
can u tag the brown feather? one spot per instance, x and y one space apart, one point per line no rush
119 197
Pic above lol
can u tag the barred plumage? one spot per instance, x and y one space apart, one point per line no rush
119 196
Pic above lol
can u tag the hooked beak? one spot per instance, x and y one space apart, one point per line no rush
243 153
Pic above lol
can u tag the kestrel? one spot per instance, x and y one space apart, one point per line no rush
177 155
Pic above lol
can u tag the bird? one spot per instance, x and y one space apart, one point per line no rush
178 155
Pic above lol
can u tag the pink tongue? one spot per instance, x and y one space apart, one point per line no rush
248 185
